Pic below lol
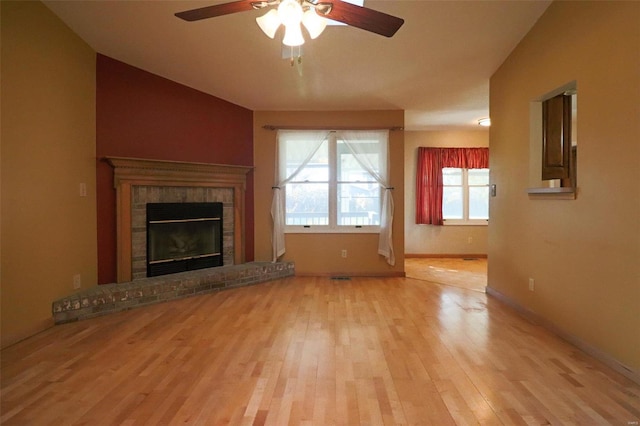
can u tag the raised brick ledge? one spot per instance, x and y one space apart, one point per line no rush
108 298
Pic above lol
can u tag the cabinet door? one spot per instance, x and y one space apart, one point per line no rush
556 137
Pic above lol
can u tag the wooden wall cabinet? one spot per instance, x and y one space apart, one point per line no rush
556 137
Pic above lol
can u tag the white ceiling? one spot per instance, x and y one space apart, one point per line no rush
436 68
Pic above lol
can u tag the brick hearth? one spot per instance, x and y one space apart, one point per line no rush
109 298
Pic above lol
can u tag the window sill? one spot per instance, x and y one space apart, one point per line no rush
561 193
326 230
453 222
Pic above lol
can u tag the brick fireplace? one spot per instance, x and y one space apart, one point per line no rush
140 181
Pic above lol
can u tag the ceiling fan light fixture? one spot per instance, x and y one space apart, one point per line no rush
293 35
269 23
314 23
290 12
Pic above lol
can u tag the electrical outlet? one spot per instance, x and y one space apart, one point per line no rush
469 240
532 284
77 282
344 253
83 189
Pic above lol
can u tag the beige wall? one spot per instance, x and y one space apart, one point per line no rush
48 149
584 253
430 239
320 253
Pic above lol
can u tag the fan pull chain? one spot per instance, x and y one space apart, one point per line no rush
293 57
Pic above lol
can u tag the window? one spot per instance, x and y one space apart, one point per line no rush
465 196
452 185
334 191
332 182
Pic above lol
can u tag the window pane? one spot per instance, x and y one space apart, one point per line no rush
317 170
452 203
451 176
307 204
478 176
313 172
358 204
479 202
349 170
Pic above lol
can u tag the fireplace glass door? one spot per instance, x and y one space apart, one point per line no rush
183 237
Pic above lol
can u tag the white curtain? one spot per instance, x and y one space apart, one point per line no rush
381 175
297 148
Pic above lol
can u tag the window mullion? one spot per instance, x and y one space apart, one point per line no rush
333 179
465 193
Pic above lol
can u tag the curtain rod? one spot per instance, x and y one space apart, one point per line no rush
277 127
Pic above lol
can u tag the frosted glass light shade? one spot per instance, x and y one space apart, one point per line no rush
290 12
269 23
293 36
314 23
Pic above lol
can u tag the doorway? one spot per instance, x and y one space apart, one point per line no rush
467 273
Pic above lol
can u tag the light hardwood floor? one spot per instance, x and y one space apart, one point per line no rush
464 273
313 351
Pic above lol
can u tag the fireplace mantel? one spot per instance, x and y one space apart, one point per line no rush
131 172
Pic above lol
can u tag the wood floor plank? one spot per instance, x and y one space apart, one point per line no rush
312 351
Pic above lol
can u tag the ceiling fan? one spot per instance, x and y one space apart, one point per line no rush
337 10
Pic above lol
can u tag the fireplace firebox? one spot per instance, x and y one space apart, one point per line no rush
183 237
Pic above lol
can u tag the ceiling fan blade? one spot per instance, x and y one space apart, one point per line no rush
217 10
365 18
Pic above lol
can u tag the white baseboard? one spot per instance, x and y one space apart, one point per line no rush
590 350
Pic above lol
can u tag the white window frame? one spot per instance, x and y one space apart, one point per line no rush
333 227
465 221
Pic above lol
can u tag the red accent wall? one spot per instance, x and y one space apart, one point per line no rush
142 115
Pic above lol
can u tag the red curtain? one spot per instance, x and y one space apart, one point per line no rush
429 186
